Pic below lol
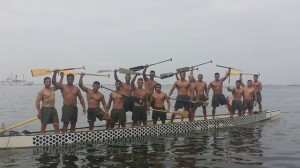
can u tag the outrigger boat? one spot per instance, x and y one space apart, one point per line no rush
100 134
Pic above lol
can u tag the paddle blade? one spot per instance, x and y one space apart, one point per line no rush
232 73
126 71
40 72
166 75
185 69
137 68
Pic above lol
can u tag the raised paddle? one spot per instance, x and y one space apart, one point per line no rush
40 72
134 98
78 73
19 124
137 68
126 71
185 69
170 74
227 67
238 73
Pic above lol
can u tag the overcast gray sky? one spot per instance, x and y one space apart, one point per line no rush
257 36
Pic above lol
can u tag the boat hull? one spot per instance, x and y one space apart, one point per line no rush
101 135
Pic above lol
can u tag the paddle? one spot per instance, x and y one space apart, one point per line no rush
40 72
182 113
170 74
134 98
185 69
101 71
204 103
221 66
17 125
238 73
78 73
137 68
126 71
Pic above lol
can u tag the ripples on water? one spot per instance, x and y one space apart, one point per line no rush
273 143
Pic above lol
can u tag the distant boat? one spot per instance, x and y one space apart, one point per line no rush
14 81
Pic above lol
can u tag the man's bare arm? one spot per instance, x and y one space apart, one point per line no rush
226 76
168 102
115 75
132 81
81 101
85 89
172 89
37 103
144 72
57 85
108 104
241 79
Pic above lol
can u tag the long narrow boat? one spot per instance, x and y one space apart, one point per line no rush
100 134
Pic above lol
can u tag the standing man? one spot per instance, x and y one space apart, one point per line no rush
218 96
201 95
183 99
48 113
118 114
159 99
237 103
70 93
150 83
126 89
258 87
94 97
139 112
250 98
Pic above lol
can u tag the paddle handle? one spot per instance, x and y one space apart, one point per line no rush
108 75
17 125
250 74
83 67
227 67
203 63
161 62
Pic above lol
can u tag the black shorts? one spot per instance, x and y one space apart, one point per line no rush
157 114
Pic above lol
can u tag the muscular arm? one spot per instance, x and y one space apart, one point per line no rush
209 86
226 76
81 101
144 73
259 87
168 102
242 83
82 87
108 104
192 91
57 85
115 75
37 103
172 89
132 82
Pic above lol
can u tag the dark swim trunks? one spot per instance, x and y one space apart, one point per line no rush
94 113
157 114
139 113
118 115
69 113
182 101
218 99
49 115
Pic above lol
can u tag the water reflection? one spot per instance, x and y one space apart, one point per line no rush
212 148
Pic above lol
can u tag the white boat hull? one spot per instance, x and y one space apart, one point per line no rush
100 134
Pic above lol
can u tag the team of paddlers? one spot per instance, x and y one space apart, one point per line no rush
141 97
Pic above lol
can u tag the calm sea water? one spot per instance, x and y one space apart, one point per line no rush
273 143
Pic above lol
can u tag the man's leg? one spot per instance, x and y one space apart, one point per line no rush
56 128
65 126
73 126
43 128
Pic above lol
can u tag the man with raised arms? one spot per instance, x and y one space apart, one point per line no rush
70 93
139 112
218 96
183 100
94 97
150 83
237 103
201 95
258 87
126 89
48 113
118 114
159 98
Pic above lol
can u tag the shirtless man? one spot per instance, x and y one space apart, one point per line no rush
47 114
150 83
237 103
258 87
94 97
201 95
126 89
70 93
218 96
249 95
139 112
159 98
118 114
183 99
